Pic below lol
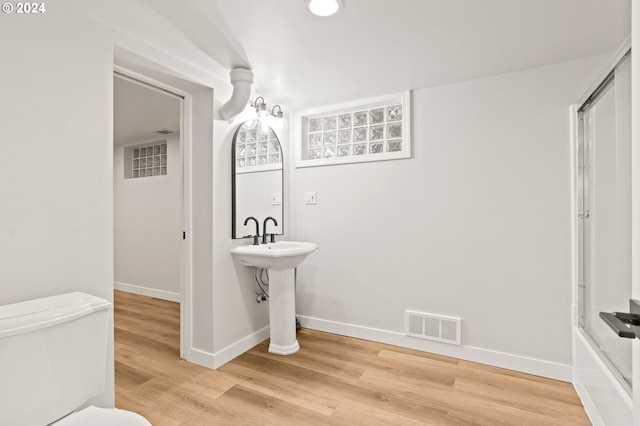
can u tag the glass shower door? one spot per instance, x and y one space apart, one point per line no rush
605 217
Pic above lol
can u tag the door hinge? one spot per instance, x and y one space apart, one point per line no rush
584 215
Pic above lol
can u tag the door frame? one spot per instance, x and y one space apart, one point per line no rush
590 370
186 282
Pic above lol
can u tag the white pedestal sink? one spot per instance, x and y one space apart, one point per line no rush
280 259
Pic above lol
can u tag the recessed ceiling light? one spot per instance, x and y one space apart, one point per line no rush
324 8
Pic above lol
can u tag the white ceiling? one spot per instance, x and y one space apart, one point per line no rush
139 112
377 47
373 47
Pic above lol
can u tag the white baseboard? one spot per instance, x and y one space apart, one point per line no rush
202 358
469 353
194 355
218 359
238 348
146 291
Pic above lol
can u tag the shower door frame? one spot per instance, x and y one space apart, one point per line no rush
606 398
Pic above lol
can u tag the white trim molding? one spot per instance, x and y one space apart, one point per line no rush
147 291
238 348
505 360
218 359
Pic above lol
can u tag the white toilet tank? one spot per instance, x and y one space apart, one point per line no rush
52 357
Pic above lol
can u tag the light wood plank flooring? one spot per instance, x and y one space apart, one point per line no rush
332 380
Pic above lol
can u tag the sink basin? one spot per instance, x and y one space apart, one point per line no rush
276 256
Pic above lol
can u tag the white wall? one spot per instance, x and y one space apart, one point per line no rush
240 322
147 227
476 224
56 213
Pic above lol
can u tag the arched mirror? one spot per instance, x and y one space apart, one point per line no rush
256 180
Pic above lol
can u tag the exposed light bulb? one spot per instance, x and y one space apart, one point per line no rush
251 115
324 8
263 115
279 123
264 125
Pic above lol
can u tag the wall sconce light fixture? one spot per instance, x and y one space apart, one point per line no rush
279 123
266 119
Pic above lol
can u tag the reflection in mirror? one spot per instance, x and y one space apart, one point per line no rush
256 180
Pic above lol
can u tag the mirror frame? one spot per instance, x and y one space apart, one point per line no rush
234 186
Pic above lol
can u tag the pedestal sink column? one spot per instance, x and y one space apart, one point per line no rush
282 312
280 259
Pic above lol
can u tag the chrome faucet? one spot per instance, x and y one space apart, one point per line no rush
255 237
264 230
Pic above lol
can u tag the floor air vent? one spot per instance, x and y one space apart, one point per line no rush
433 327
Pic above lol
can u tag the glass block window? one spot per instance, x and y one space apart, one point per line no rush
257 150
371 130
149 160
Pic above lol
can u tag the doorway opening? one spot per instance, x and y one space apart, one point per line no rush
149 204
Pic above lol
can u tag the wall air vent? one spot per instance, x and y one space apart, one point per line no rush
433 327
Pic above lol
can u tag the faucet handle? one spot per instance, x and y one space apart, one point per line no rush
273 238
255 240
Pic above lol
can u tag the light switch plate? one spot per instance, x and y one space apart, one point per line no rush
310 197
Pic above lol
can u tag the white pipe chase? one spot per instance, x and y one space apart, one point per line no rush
241 80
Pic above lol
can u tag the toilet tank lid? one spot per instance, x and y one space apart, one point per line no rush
31 315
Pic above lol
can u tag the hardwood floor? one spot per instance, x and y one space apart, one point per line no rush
332 380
